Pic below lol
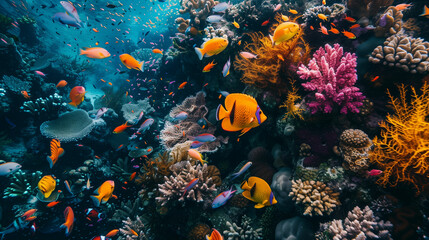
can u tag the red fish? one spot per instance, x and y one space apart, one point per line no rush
61 83
182 85
374 172
77 95
265 23
52 204
350 19
121 128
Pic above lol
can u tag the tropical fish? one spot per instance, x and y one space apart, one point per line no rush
182 85
323 29
146 125
349 35
209 66
278 6
212 47
52 204
223 93
222 198
121 128
20 223
264 23
214 18
403 6
350 19
284 32
93 216
425 12
47 185
68 187
27 216
355 26
190 185
194 154
131 63
56 152
241 113
242 170
61 84
258 191
65 19
69 220
236 24
181 116
374 172
204 137
293 11
214 236
104 193
40 73
196 144
95 52
226 67
334 30
9 168
220 7
248 55
112 233
77 95
70 10
157 51
322 16
25 94
101 112
100 238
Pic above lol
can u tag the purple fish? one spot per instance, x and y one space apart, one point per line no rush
146 125
196 144
65 19
205 137
225 70
222 198
101 112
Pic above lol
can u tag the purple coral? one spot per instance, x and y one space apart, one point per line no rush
332 75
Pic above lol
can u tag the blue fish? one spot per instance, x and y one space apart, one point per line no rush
225 70
222 198
65 19
242 170
190 185
204 137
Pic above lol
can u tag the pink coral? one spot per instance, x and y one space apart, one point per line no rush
332 76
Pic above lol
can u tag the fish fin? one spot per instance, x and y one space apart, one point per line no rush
232 114
96 200
265 202
243 131
82 52
141 66
200 53
221 113
66 227
50 161
208 237
259 205
226 125
73 104
60 152
246 194
244 185
272 39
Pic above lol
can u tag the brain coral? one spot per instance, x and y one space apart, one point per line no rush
70 126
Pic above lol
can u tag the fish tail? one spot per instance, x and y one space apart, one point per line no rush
221 113
96 200
50 161
141 66
65 225
82 52
235 175
200 53
245 186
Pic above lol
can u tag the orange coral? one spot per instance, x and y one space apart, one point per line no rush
292 110
273 65
402 151
154 170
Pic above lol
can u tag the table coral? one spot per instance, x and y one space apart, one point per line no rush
401 51
332 75
316 197
402 149
354 147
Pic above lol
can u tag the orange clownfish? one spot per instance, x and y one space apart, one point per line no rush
77 95
121 128
56 152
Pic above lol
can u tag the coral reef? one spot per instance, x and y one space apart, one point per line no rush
132 111
332 77
293 110
70 126
359 224
182 173
4 101
404 52
199 232
354 147
15 85
48 107
129 209
244 231
401 150
130 226
311 14
197 9
154 170
316 197
389 23
122 169
294 228
22 185
367 8
183 24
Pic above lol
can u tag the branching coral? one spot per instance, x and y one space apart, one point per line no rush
129 209
183 173
389 23
354 146
131 226
244 231
132 111
359 224
401 51
197 9
402 149
22 184
316 197
311 14
45 107
332 77
273 64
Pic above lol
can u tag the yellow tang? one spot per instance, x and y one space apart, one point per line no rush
284 32
47 185
241 113
211 47
257 190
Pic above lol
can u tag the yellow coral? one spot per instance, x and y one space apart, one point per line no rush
274 64
292 109
402 151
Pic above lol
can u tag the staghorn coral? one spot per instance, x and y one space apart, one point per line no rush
401 150
22 184
15 85
70 126
182 173
354 147
131 111
332 77
359 224
136 225
315 196
293 110
244 231
45 107
197 9
367 8
389 23
404 52
273 63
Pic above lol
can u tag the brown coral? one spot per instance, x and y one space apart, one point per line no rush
367 8
199 232
393 25
402 150
154 170
316 197
183 24
214 173
354 147
273 64
197 9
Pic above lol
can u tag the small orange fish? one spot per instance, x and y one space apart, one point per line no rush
293 11
170 93
112 233
96 44
239 43
110 83
280 57
182 85
121 128
107 43
349 35
126 93
209 66
156 50
311 27
69 220
61 84
205 85
265 23
324 2
375 78
102 80
333 24
402 6
334 30
133 175
95 30
134 232
355 26
350 19
25 94
52 204
56 152
77 95
323 29
322 16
